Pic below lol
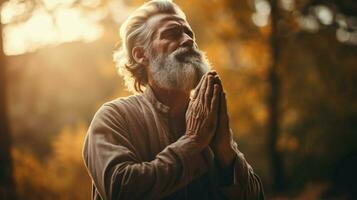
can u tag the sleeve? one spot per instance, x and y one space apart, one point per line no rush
118 173
238 181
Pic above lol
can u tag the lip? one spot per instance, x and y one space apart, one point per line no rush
187 53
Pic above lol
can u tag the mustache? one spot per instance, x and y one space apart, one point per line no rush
184 52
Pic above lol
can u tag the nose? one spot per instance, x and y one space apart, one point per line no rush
186 41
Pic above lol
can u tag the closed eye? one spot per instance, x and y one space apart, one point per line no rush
189 32
175 32
171 33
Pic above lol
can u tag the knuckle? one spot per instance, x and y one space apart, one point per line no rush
207 95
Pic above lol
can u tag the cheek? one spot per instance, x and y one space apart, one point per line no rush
165 47
172 46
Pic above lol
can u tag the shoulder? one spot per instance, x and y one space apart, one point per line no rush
114 116
124 105
120 108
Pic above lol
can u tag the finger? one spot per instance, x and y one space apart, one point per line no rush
202 89
224 103
209 91
213 115
198 86
212 72
218 80
215 98
223 109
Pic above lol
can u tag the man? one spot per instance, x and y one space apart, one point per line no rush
164 143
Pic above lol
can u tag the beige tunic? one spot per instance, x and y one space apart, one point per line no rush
130 153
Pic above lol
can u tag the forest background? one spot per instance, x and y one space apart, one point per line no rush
288 66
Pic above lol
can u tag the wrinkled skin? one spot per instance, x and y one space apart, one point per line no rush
202 112
207 118
221 143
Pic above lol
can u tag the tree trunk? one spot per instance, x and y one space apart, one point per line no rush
7 184
276 162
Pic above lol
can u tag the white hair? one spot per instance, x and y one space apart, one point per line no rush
170 73
136 32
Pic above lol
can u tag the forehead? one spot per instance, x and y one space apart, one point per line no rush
159 21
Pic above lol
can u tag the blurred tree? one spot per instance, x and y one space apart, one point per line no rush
317 25
7 185
51 79
291 22
61 176
276 159
288 67
312 46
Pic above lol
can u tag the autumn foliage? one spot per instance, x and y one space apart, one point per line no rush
57 79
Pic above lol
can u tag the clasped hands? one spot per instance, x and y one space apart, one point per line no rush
207 121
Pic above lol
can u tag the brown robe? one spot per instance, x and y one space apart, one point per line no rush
130 153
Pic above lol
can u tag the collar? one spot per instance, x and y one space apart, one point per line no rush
150 96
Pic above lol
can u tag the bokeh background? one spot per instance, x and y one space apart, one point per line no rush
288 66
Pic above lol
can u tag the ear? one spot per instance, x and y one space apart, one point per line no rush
139 55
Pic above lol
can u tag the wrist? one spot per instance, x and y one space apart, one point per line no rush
225 156
196 141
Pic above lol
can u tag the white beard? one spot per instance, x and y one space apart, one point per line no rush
177 70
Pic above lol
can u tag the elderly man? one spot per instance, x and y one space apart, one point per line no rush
166 143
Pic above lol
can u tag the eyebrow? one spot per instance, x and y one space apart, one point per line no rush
168 29
173 26
170 17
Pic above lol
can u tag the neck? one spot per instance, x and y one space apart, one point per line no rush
177 100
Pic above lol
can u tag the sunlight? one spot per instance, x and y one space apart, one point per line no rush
288 5
261 16
262 7
39 28
51 4
72 26
309 23
342 35
44 26
12 33
341 21
91 3
260 20
324 14
19 38
10 10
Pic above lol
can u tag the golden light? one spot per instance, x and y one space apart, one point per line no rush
10 10
288 5
324 14
42 28
261 16
72 26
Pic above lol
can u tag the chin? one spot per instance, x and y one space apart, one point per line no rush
184 83
179 76
193 76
